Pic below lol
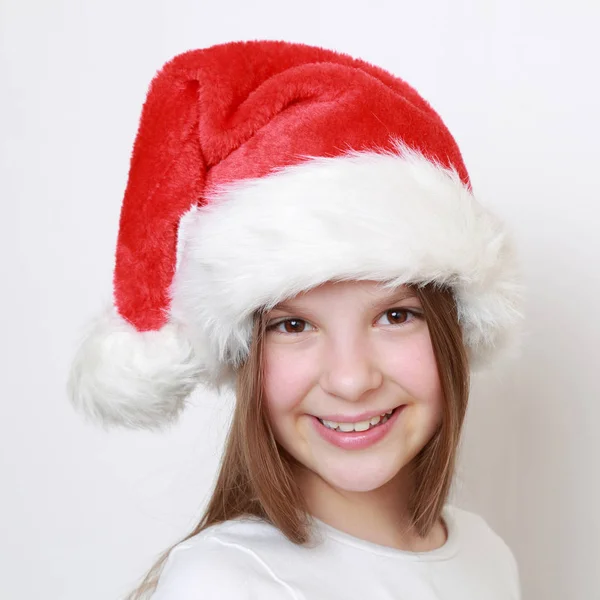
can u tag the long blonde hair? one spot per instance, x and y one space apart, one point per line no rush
255 474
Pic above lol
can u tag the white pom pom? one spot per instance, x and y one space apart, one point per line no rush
121 376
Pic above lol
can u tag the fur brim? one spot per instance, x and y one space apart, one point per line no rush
394 217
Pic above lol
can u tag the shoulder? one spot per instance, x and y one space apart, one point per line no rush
473 527
477 534
219 563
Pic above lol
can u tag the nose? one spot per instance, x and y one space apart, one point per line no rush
349 369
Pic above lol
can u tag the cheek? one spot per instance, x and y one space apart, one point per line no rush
414 368
287 380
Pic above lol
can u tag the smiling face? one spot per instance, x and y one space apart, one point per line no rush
338 357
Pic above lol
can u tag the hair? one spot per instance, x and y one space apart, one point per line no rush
255 477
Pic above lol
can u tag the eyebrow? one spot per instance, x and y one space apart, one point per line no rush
396 296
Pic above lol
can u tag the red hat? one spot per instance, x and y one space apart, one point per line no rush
262 169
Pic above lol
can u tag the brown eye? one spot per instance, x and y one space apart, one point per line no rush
290 326
294 325
400 316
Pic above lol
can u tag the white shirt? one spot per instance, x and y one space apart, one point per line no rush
249 559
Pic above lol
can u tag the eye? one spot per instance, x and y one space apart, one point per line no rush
396 317
400 316
290 326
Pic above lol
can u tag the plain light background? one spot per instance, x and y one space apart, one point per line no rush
83 512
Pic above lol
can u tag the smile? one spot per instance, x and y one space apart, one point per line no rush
360 434
360 425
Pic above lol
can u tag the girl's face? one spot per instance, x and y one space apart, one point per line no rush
337 359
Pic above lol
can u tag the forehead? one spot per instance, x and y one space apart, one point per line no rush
369 293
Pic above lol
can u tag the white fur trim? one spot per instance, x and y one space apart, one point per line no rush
137 379
184 223
394 217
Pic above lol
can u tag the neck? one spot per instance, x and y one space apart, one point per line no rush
380 516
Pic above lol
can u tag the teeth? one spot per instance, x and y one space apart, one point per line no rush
360 426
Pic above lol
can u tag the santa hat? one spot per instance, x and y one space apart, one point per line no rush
263 169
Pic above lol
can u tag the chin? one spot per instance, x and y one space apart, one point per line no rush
354 478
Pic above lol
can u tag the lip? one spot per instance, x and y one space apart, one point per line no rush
366 416
357 440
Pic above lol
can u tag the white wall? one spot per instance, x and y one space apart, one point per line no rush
83 512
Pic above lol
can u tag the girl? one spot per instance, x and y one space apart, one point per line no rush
299 226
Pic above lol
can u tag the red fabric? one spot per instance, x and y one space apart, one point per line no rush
239 110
